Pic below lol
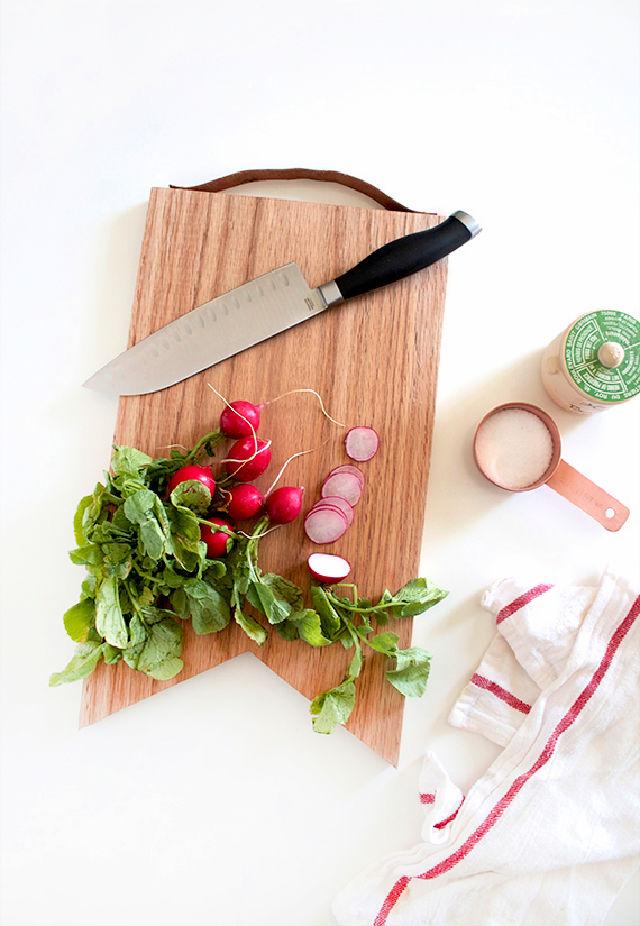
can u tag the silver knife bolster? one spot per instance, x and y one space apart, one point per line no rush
330 294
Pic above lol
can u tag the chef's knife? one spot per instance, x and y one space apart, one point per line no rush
265 306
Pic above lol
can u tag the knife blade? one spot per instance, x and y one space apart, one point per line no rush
265 306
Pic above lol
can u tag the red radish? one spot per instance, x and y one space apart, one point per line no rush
343 484
201 474
325 525
218 542
245 502
325 567
350 469
285 504
257 459
238 418
336 501
361 444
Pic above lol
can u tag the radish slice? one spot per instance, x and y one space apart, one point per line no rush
346 485
320 507
325 567
336 501
361 444
350 469
325 526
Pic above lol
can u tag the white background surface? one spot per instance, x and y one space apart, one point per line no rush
214 803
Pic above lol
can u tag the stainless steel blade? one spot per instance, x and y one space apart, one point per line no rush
212 332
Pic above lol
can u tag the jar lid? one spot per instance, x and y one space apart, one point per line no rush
602 355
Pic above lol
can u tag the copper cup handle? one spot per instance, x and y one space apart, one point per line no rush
593 500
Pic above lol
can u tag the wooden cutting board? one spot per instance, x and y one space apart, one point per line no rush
374 360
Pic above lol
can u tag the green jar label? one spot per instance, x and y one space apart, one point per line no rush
581 347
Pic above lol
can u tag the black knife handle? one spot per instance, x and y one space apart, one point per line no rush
406 255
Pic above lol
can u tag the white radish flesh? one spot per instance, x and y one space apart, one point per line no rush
336 501
361 444
325 567
346 485
350 469
325 526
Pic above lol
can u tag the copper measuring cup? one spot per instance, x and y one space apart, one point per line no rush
564 479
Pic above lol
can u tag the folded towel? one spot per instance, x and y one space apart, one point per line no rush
551 832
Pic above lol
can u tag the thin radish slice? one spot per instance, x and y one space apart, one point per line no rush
361 444
338 502
325 567
350 469
345 485
325 526
331 508
321 507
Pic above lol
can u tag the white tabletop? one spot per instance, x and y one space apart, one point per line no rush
214 803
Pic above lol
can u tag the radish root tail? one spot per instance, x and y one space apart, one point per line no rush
309 391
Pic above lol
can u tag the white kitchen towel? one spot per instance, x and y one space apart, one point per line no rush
536 629
550 833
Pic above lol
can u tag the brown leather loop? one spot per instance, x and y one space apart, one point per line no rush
298 173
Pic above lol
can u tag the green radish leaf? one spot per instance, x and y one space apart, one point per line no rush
110 621
329 617
333 707
251 627
192 494
86 658
127 461
79 519
209 610
110 654
415 597
79 620
89 554
309 627
356 664
287 630
158 654
411 673
386 643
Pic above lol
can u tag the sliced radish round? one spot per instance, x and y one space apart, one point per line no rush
320 507
336 501
332 508
350 469
325 525
346 485
361 444
325 567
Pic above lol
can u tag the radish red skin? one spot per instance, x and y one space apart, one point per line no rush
246 502
327 568
285 504
244 450
233 425
201 474
218 542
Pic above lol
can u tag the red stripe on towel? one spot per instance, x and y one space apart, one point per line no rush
441 825
571 715
481 682
521 601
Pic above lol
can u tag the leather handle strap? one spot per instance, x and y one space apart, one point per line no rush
298 173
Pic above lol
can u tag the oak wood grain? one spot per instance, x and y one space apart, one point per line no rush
374 360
